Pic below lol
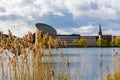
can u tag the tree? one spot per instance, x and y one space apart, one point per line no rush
112 43
75 41
82 42
117 42
101 42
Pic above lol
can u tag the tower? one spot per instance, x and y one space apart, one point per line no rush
100 32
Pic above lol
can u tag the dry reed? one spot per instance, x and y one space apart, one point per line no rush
21 59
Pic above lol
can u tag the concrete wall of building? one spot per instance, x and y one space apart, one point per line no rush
91 40
69 38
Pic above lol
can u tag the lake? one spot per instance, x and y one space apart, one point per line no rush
86 63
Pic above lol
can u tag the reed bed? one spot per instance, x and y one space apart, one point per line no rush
116 59
21 59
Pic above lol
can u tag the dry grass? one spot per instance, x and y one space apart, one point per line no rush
23 60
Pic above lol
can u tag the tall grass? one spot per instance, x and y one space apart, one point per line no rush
21 59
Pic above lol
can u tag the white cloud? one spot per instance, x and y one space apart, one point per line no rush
48 6
58 14
18 28
112 32
33 10
61 31
75 7
30 18
83 30
103 13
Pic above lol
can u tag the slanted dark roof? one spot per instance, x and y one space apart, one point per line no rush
46 29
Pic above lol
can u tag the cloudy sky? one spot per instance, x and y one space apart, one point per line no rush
66 16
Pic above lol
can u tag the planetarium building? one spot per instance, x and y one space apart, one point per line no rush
46 29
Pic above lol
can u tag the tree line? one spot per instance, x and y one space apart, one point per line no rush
99 42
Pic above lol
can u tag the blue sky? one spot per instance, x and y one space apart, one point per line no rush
66 16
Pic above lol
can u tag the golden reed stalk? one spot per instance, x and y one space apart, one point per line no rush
21 59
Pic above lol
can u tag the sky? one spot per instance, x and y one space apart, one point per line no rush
66 16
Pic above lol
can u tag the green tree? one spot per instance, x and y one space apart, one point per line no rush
75 41
82 42
117 42
112 43
101 42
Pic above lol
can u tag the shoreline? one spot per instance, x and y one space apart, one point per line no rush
87 47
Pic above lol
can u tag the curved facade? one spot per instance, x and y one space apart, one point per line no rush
46 29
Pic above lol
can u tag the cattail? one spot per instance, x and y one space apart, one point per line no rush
30 36
13 63
38 35
15 43
1 36
50 54
68 63
56 44
65 43
52 73
61 54
10 35
33 63
49 45
45 36
59 42
24 56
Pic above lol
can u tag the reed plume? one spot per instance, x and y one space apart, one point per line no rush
27 60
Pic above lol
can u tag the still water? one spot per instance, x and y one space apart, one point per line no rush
87 63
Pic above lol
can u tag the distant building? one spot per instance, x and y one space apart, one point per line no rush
100 32
69 38
90 40
44 28
108 38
